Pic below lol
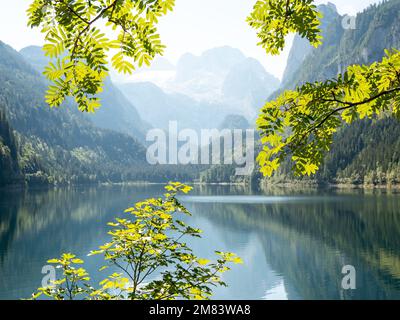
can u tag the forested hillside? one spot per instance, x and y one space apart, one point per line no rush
366 152
61 146
58 146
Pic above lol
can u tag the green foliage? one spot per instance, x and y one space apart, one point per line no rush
81 51
148 248
300 124
275 19
74 282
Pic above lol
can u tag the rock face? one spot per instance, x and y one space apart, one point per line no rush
220 74
377 29
301 47
298 53
248 78
248 86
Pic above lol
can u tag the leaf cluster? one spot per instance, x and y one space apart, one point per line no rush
275 19
80 51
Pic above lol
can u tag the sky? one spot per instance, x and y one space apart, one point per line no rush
194 26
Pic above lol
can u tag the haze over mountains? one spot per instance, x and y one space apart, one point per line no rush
203 90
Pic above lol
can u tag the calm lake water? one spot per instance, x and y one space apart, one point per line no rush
293 243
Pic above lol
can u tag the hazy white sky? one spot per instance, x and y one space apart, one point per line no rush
194 26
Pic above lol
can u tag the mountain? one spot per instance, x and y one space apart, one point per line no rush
377 29
218 73
201 77
206 89
365 152
246 77
301 47
159 64
44 146
116 112
217 61
248 86
57 146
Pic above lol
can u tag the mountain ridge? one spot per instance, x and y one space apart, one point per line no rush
201 96
353 158
116 112
60 146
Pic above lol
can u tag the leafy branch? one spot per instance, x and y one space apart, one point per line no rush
148 241
300 124
79 52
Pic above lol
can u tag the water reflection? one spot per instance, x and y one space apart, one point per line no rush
38 225
293 243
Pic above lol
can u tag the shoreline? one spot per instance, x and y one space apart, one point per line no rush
262 186
332 186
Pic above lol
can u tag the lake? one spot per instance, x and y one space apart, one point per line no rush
294 243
